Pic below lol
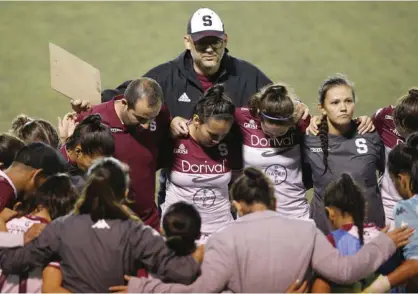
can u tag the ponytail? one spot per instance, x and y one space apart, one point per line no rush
32 130
273 104
323 136
253 186
181 245
346 196
19 122
182 225
215 104
93 136
405 114
104 192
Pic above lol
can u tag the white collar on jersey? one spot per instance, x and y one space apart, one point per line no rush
3 174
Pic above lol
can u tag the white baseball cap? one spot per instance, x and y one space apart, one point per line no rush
204 23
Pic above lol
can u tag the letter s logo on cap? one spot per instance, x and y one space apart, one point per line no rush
207 20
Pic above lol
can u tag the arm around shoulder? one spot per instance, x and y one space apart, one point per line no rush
329 263
216 272
152 251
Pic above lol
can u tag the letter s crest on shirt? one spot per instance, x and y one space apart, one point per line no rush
361 146
223 150
153 126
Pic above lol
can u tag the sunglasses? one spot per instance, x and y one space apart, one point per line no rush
203 45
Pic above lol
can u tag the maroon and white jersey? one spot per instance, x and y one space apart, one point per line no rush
200 176
385 126
7 191
281 160
32 283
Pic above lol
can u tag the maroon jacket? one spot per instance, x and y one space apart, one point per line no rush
139 149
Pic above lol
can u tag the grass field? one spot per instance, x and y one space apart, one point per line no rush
375 43
301 43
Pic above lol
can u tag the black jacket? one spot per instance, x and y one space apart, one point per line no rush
241 80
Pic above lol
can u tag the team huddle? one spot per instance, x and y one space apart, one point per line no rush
237 154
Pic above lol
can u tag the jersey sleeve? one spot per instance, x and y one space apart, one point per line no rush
378 119
402 215
8 240
83 115
6 194
35 254
303 124
331 239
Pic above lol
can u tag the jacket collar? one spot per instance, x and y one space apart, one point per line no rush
258 215
184 63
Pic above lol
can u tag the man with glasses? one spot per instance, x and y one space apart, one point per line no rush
205 62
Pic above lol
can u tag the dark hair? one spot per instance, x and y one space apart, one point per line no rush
9 146
330 82
104 191
404 159
181 224
273 104
346 196
215 104
143 87
35 130
39 155
405 113
93 136
253 187
56 194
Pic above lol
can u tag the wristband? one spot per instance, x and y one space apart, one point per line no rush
380 285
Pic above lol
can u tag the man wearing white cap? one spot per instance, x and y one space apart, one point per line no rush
205 62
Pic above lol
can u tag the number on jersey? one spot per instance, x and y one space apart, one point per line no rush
361 146
223 150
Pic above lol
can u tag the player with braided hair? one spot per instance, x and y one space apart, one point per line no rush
340 148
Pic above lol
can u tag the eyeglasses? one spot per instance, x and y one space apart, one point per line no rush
203 45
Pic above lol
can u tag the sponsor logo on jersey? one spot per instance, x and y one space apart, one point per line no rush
400 211
204 198
101 224
181 150
316 150
277 173
116 130
184 98
203 168
272 142
251 125
395 131
388 117
198 180
275 152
